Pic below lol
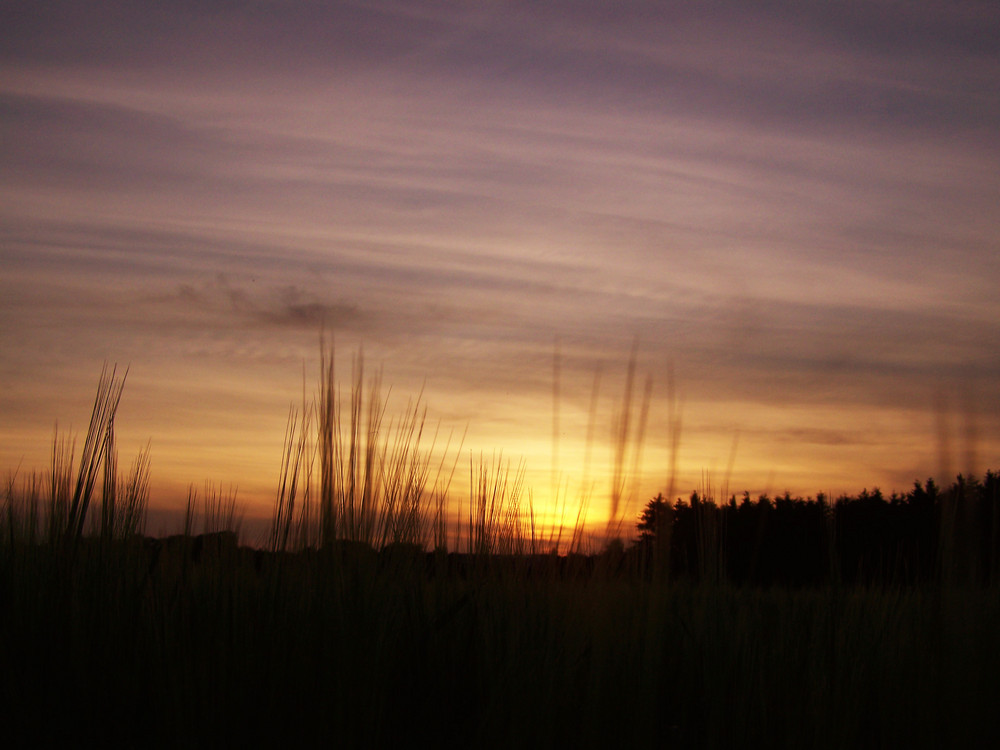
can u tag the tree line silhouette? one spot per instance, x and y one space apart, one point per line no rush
927 534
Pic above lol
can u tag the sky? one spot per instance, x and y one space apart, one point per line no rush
787 210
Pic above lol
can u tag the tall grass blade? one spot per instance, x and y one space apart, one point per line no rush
109 392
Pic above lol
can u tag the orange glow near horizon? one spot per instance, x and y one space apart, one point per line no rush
201 439
808 242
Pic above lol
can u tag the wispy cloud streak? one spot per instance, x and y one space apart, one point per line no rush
795 203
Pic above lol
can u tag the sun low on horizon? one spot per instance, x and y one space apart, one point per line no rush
660 246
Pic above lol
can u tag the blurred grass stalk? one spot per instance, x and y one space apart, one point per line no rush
627 442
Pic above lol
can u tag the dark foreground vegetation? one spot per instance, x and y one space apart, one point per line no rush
130 646
344 631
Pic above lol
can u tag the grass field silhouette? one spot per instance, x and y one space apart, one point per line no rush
362 621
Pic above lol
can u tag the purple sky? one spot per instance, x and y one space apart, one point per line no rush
795 205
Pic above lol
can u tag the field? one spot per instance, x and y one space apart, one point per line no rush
346 631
